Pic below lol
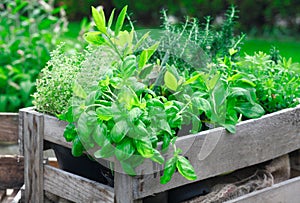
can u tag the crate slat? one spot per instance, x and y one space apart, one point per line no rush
53 131
33 128
9 127
287 191
74 187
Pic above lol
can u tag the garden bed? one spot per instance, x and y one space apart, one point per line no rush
211 152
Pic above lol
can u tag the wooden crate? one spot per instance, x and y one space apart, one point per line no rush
211 152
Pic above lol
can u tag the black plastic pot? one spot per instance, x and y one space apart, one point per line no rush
82 166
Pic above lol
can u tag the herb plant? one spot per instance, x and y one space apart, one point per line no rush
277 81
126 116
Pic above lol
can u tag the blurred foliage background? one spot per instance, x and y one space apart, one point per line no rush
31 29
258 17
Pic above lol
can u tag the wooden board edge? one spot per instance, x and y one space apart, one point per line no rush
287 191
75 188
8 128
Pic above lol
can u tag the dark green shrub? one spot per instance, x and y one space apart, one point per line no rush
28 30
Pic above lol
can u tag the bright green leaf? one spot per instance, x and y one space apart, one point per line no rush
157 157
111 19
70 132
124 150
170 81
144 147
169 170
119 131
79 91
250 110
94 38
106 151
185 168
99 19
77 147
120 21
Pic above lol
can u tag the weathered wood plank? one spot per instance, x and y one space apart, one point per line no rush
287 191
9 127
53 131
33 128
123 186
75 188
11 172
216 151
21 132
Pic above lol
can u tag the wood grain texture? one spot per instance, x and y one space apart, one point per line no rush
9 127
287 191
21 132
123 186
216 151
75 188
11 172
54 130
33 128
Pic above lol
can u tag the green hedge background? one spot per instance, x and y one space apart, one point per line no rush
256 16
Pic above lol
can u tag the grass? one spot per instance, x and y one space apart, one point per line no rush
287 47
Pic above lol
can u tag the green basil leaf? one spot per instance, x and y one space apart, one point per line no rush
77 147
144 147
119 131
106 151
70 132
120 21
134 115
157 157
124 150
230 127
237 91
99 19
166 142
196 124
104 113
67 116
202 104
85 126
164 125
169 170
99 134
250 110
185 168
